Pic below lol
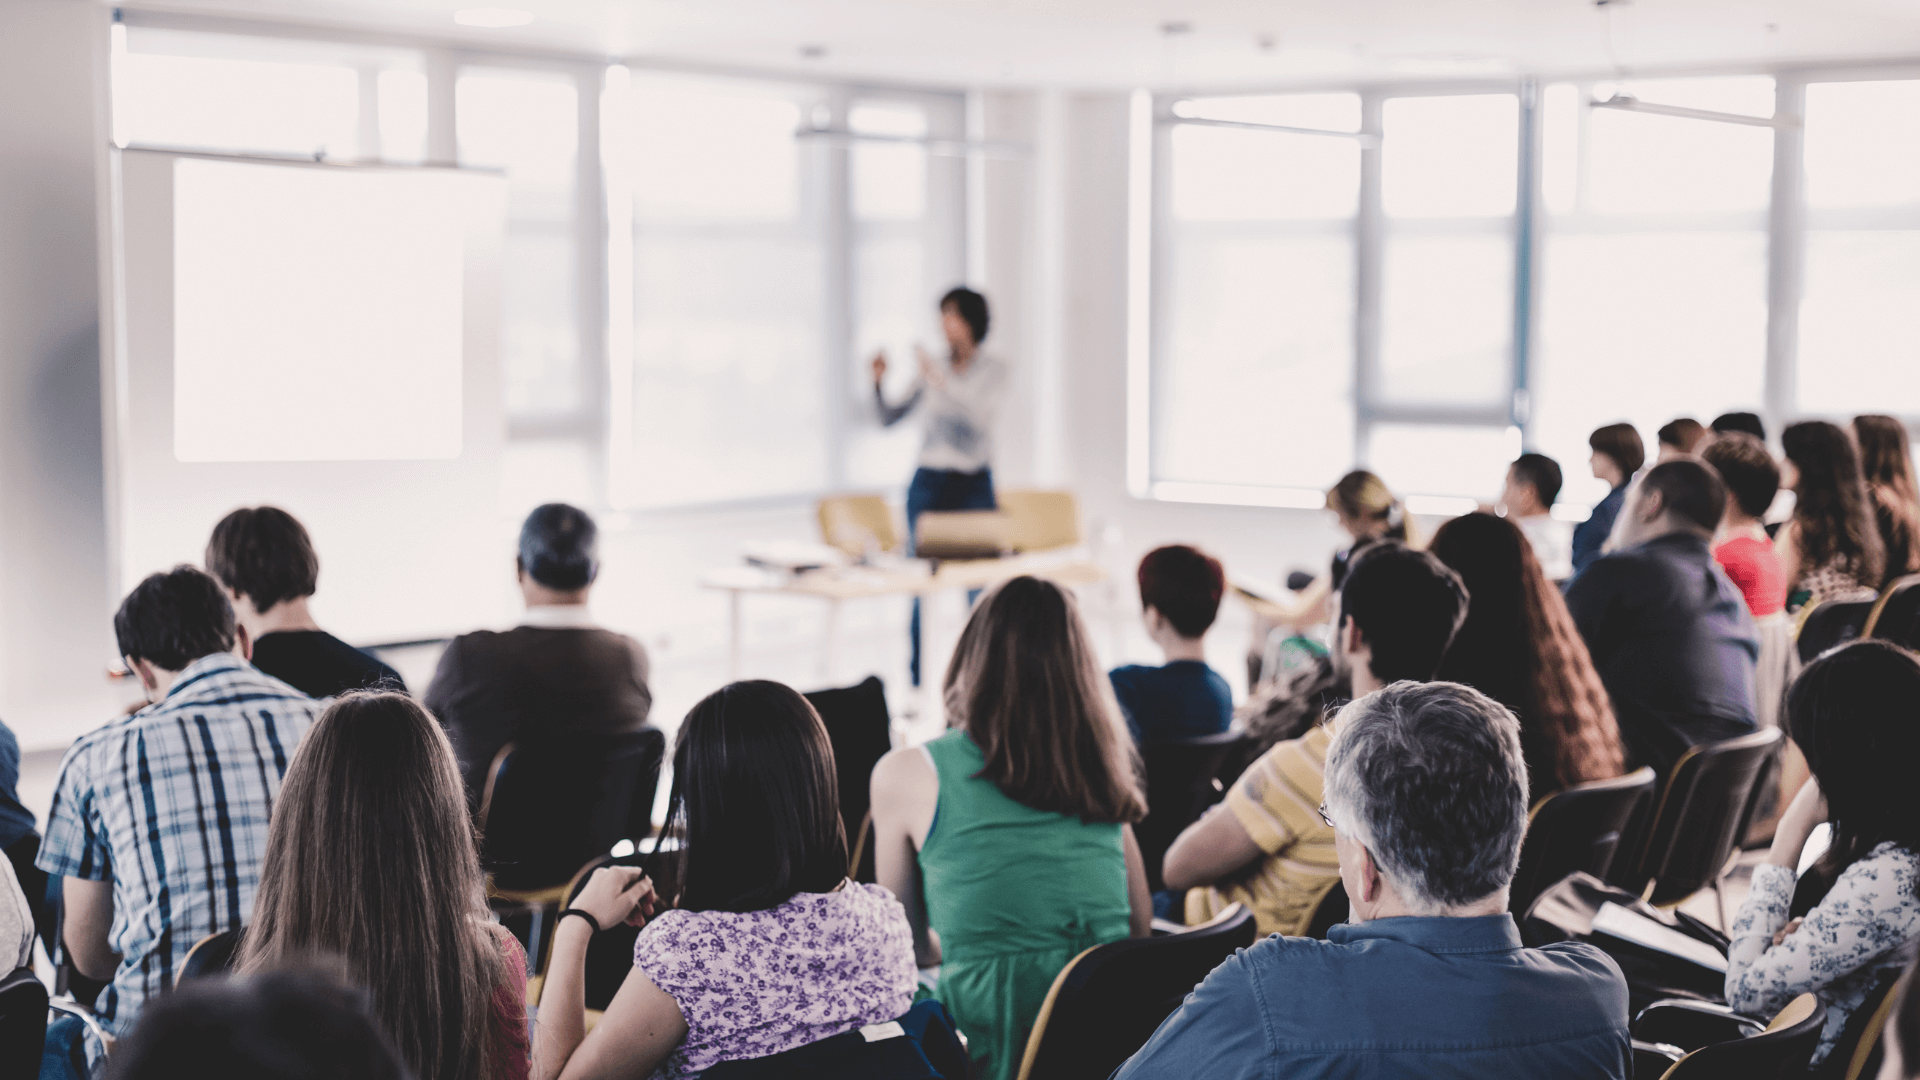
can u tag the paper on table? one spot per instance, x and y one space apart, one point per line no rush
1631 926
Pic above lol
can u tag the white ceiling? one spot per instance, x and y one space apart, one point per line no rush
1122 43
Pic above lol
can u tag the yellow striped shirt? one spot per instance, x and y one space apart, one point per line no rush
1277 800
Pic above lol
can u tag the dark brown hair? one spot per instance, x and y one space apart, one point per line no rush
1832 516
371 857
1750 473
1689 490
1520 647
174 618
264 554
1621 442
755 801
1185 585
1024 684
1683 434
1886 460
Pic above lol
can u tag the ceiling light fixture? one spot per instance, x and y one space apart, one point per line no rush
492 17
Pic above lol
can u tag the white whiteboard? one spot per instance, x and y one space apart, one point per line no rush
325 339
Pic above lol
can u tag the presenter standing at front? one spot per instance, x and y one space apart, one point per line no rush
962 393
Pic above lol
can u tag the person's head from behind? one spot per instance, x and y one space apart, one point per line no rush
1742 422
1855 714
1180 591
302 1023
1427 790
1026 686
1533 483
1618 453
170 620
1886 454
1365 507
964 318
1682 495
374 786
1679 438
1750 473
1399 610
755 800
559 555
1832 515
264 558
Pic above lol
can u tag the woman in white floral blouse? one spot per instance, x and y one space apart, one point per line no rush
1855 713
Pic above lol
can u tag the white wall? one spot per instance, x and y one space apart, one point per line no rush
55 596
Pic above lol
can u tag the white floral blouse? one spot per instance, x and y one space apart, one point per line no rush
1868 923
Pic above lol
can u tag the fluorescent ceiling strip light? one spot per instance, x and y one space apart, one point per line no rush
1629 103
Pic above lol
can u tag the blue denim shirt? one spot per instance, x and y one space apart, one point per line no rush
1427 997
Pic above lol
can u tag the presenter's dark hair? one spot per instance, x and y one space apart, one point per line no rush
1541 473
1748 422
1689 490
1185 585
174 618
971 307
1408 606
756 801
264 554
559 547
1621 443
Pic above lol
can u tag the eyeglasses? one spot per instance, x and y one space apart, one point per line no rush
1326 817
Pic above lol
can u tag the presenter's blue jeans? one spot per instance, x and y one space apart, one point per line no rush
941 489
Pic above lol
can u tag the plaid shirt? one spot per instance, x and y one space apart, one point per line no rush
171 803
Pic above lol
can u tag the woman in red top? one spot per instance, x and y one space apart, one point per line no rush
1745 552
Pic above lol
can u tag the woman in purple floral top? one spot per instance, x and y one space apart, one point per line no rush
768 946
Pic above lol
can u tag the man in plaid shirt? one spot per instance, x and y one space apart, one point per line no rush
159 820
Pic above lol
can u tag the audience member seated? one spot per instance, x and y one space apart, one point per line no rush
1533 483
285 1025
1669 634
1745 551
1520 647
557 673
1886 460
1854 915
1745 423
1180 590
766 946
1264 846
1427 797
1680 438
1368 513
1617 455
266 561
159 819
16 921
1009 838
16 821
1830 549
371 858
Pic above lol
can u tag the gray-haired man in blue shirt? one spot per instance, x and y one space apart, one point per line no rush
1426 791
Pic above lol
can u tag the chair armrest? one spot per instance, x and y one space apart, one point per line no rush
1690 1025
71 1007
1651 1060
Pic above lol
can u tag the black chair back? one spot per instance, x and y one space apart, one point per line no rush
1829 624
1108 1002
553 804
1778 1053
861 731
1181 784
23 1023
925 1049
1699 817
211 955
609 952
1896 617
1578 828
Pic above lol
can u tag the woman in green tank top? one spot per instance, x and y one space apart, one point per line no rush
1009 839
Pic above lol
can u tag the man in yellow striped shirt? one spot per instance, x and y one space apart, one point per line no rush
1267 846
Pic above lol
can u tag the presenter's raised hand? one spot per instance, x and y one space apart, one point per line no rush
879 366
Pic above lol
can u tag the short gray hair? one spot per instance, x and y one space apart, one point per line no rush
1430 777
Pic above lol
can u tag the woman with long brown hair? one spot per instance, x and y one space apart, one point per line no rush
1886 462
1009 839
371 857
1831 547
1519 646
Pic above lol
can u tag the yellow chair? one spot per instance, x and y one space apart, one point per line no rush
848 522
1042 520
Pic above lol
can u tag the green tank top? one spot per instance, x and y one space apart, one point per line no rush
1014 893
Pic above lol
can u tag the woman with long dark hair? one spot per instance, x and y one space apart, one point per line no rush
1855 713
1831 547
1009 838
371 857
1886 461
1519 646
765 945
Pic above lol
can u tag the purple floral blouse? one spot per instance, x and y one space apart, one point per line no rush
759 982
